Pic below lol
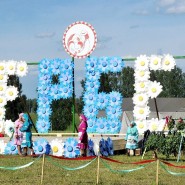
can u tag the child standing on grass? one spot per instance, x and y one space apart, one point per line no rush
18 135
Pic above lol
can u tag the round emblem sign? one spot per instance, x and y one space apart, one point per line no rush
79 39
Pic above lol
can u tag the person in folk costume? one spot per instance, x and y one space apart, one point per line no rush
27 135
18 135
132 138
82 135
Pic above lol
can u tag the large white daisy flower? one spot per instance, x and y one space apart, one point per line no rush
11 93
142 75
168 63
161 124
3 87
155 62
1 125
22 68
2 67
3 78
141 62
57 147
140 99
141 86
11 67
154 89
141 126
140 113
3 101
153 124
9 127
2 113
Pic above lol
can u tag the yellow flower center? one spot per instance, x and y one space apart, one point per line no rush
154 127
1 88
155 62
167 62
141 111
154 90
140 98
1 68
10 93
142 63
55 149
141 73
1 77
142 85
1 100
141 125
21 68
11 67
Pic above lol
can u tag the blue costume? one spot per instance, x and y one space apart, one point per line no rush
132 137
26 129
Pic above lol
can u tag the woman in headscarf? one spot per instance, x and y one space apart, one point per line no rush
18 135
27 135
132 138
82 134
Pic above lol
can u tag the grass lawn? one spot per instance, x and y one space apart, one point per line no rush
54 173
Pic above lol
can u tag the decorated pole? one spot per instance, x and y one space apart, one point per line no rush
42 172
79 41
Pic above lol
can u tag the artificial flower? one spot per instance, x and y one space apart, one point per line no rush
90 111
155 62
168 63
115 98
91 64
154 89
102 126
10 148
57 147
102 100
93 75
140 99
141 62
3 78
22 68
1 125
89 98
141 86
116 64
41 146
11 93
113 112
43 124
3 87
140 113
141 75
153 124
104 64
44 66
9 127
11 67
2 146
3 101
142 126
55 67
2 67
92 86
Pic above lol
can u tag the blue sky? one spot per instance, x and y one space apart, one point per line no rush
33 30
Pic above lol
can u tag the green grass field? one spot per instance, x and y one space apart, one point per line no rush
55 174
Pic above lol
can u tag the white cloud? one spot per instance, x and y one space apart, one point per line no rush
45 35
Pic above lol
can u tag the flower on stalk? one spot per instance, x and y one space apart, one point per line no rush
141 113
140 99
41 146
154 89
11 93
9 127
141 62
142 75
22 68
57 147
155 62
11 148
70 148
168 63
11 67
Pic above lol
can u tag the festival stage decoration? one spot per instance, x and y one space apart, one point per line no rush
57 147
106 147
145 89
10 148
79 39
90 151
9 93
70 148
41 146
48 91
9 127
2 146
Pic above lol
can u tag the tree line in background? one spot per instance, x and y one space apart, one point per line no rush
173 83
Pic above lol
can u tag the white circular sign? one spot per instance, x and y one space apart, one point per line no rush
79 39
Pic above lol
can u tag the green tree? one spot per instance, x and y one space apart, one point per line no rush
13 108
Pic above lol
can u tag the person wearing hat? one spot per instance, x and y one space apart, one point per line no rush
132 138
82 134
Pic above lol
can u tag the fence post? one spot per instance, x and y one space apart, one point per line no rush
157 173
42 172
98 167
